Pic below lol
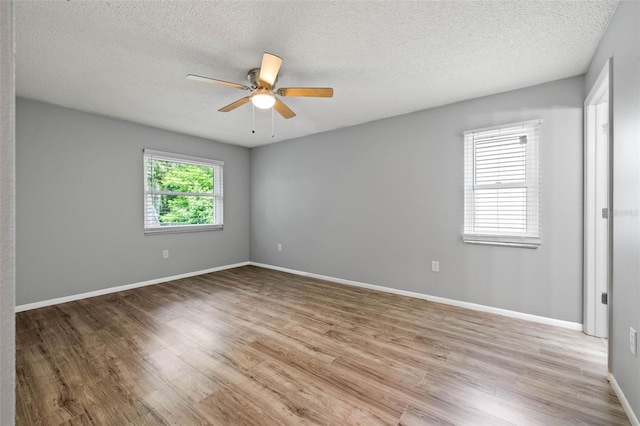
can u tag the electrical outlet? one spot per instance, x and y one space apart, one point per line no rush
435 266
633 341
279 246
165 254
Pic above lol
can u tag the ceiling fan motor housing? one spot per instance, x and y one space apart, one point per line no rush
253 77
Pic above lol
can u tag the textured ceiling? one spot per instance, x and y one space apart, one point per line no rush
129 59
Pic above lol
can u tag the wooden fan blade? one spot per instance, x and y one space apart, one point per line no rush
269 68
235 104
316 92
214 81
283 110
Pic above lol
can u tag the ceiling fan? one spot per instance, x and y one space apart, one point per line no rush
262 87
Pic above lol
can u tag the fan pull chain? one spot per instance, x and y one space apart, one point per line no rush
253 116
273 132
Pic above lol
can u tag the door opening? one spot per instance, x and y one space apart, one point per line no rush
597 207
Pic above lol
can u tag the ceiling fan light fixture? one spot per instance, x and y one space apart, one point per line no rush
262 81
263 100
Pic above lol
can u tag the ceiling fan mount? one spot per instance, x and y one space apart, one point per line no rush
262 84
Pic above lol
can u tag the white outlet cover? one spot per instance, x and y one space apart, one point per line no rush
633 341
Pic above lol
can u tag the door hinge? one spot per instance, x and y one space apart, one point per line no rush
605 213
604 299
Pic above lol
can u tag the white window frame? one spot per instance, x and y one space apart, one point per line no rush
530 237
216 194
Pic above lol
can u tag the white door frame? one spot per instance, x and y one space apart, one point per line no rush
596 320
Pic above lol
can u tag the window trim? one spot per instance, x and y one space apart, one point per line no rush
218 189
531 237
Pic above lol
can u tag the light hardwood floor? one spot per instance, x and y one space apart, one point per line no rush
255 346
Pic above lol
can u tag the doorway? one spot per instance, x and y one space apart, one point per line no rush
597 206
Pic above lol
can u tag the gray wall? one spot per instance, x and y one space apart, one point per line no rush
80 205
622 42
7 215
377 202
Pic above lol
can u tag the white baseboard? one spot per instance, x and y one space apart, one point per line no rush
35 305
473 306
623 400
476 307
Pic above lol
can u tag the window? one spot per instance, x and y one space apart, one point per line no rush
181 193
501 196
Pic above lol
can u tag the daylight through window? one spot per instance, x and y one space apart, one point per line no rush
181 193
501 204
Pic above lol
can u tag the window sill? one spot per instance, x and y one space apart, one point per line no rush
530 243
182 229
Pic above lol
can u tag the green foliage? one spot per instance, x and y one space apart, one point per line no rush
177 209
186 178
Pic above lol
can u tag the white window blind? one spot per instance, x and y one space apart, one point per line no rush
501 185
182 193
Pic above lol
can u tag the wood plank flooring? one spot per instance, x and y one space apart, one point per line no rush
260 347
